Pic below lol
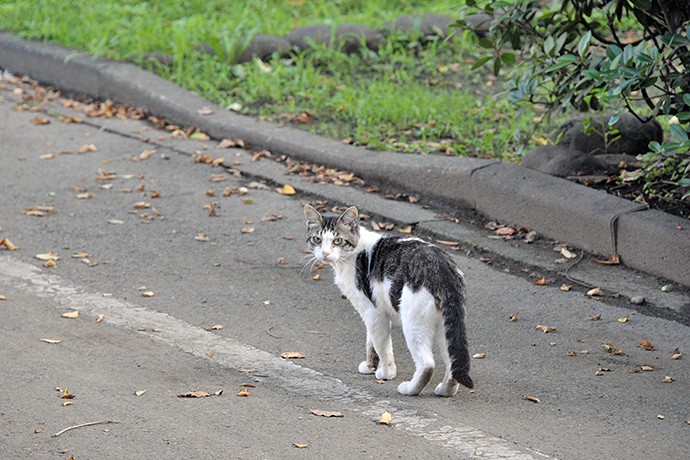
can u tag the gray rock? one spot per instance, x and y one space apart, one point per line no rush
263 46
260 46
479 22
159 59
422 24
637 300
562 161
347 38
634 135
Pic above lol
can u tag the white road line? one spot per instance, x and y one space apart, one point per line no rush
229 353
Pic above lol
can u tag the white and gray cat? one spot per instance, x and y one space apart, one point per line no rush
402 281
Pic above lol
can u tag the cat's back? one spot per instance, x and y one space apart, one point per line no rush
412 261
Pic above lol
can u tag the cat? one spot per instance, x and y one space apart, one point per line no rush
402 281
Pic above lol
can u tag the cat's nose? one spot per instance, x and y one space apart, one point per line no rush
325 252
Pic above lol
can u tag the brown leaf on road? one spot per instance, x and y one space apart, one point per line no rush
534 399
213 209
286 189
215 327
256 156
300 445
668 379
70 315
51 341
86 148
48 256
326 413
596 317
199 394
243 393
596 292
103 175
230 143
612 350
66 395
646 345
546 329
8 244
292 355
272 217
505 231
39 211
201 237
40 120
543 281
146 154
386 419
615 259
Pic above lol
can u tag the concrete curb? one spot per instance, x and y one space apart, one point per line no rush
647 240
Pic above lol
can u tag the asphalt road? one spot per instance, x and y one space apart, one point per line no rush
161 270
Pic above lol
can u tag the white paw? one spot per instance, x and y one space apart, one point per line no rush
446 390
406 388
386 373
365 369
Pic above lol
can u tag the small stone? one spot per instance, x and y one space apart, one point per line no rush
637 300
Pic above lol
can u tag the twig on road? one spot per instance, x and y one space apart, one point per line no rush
100 422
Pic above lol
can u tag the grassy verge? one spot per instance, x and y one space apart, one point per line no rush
406 97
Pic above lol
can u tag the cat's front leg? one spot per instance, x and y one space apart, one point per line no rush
379 331
372 362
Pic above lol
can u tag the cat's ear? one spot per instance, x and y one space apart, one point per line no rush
350 218
312 215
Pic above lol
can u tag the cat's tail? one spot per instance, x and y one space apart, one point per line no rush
453 310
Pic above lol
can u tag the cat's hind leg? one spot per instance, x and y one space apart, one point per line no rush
420 320
449 386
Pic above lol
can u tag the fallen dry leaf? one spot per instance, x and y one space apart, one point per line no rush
292 355
243 393
505 231
596 317
199 394
286 189
39 211
146 154
2 297
534 399
215 327
568 254
272 217
646 368
677 354
248 230
386 419
479 356
148 294
596 292
100 318
86 148
566 287
542 281
611 349
613 260
8 244
546 329
66 395
51 341
326 413
316 277
70 315
300 445
40 120
513 317
646 345
201 237
668 379
67 403
623 319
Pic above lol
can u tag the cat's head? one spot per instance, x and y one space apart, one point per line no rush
332 239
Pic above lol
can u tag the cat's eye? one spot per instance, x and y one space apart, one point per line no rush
338 241
316 240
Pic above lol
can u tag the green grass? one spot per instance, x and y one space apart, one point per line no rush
405 97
